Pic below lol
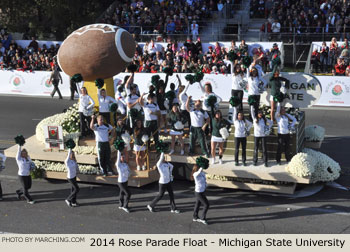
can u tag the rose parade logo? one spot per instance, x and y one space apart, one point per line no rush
337 90
16 80
48 83
45 81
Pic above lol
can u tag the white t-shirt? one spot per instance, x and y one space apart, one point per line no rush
123 170
200 181
198 118
165 170
71 165
149 108
23 164
183 97
131 99
104 102
101 132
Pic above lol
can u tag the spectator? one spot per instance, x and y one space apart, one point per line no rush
34 44
339 68
276 30
324 51
315 61
194 30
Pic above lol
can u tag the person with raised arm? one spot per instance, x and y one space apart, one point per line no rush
123 176
177 128
200 185
132 102
72 168
86 105
255 84
165 184
182 101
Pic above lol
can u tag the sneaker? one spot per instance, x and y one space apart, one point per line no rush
244 164
171 152
182 152
266 165
255 163
110 173
120 207
212 161
220 161
203 221
68 203
195 219
138 168
32 202
236 164
151 209
175 211
144 168
75 204
126 209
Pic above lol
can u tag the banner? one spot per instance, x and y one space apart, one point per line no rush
335 91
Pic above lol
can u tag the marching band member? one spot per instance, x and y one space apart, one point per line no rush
254 83
208 91
216 137
175 118
283 119
199 121
165 184
24 166
102 131
86 105
152 112
242 128
72 168
139 145
2 166
261 125
182 100
104 102
200 185
123 176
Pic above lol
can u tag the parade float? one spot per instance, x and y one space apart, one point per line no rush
92 51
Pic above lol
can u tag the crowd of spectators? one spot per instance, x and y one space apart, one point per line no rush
332 59
309 20
190 57
30 58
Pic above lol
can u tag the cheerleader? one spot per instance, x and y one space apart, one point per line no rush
165 184
182 101
160 101
254 84
283 120
86 105
175 120
275 84
238 79
139 145
104 102
123 176
242 128
152 112
200 185
24 164
208 91
2 167
121 129
261 126
120 101
72 168
132 102
128 83
216 137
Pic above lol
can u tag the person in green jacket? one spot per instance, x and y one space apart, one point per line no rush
275 84
216 137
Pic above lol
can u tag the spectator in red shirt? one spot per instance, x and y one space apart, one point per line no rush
315 61
339 68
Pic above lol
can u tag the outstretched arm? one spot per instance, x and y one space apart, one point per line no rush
92 103
129 81
188 104
197 172
19 150
161 160
118 161
92 126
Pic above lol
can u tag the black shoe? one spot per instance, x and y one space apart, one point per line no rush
266 165
236 163
244 164
255 163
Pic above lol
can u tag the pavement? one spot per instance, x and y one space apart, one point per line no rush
231 211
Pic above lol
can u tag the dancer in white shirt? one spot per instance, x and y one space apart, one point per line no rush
86 105
72 168
123 176
104 102
200 185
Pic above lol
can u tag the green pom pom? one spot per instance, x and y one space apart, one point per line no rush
168 70
170 95
113 107
198 76
19 139
231 55
134 113
252 100
70 144
278 97
119 145
234 101
132 68
161 146
99 83
202 162
211 101
155 81
77 78
190 78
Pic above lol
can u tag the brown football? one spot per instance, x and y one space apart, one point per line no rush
96 51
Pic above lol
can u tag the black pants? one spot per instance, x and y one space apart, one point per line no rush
238 142
283 146
201 199
152 128
257 141
73 89
84 124
162 188
186 115
256 105
26 182
239 94
104 156
107 116
124 193
0 190
74 191
56 89
197 133
211 116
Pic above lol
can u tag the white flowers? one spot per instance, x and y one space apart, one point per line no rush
144 138
60 167
126 138
179 125
314 133
224 133
314 164
85 150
